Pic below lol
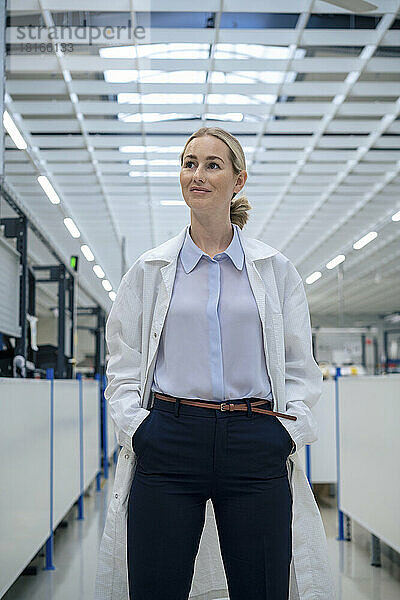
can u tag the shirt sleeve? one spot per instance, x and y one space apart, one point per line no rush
303 377
123 336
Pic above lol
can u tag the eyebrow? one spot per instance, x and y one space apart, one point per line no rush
194 156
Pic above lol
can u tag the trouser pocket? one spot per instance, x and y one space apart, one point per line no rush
258 445
290 441
141 435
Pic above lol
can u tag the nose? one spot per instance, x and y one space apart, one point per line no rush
198 174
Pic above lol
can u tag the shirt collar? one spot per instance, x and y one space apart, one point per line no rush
190 253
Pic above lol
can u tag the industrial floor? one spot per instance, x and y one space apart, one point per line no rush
76 544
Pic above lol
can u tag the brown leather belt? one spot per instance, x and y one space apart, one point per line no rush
227 406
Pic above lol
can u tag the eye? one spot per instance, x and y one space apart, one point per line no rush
190 162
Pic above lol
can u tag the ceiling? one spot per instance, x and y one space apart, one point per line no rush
311 91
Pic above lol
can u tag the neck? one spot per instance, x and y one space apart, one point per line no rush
213 237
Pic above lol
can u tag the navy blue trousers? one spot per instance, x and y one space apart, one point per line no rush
187 455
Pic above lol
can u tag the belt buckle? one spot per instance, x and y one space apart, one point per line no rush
227 406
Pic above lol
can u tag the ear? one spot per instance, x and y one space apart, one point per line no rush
240 181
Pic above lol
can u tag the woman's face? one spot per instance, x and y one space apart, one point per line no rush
206 165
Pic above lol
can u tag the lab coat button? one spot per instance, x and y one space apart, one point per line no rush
155 334
116 495
126 455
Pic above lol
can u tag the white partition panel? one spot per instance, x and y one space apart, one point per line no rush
91 430
369 413
323 450
25 428
66 447
25 468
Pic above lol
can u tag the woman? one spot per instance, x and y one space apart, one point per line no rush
216 326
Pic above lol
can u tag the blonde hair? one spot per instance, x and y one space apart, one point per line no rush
240 206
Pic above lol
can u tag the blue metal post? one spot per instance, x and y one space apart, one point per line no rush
98 474
81 477
49 543
105 432
308 463
340 513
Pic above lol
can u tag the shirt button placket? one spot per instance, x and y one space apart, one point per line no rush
215 340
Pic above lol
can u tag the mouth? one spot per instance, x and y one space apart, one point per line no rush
199 190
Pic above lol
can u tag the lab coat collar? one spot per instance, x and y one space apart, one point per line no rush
168 251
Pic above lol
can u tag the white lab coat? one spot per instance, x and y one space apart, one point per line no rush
133 333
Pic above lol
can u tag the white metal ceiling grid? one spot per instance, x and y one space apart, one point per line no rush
386 231
379 269
312 195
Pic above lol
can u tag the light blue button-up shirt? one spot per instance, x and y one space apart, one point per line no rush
211 346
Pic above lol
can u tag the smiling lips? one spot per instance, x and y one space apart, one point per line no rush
202 190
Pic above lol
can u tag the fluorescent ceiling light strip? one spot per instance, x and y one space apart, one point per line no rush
156 117
99 271
87 253
14 132
140 149
147 117
153 174
335 261
48 189
396 216
106 285
112 295
366 239
72 228
154 162
313 277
